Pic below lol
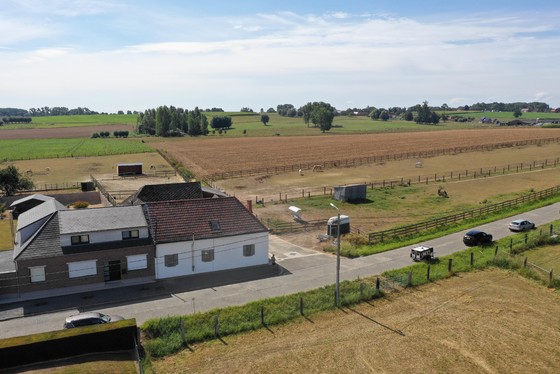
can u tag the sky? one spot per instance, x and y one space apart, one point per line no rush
111 55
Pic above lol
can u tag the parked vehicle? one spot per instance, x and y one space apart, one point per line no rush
476 237
89 318
521 225
421 253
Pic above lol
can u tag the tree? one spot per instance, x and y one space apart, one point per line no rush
425 115
308 109
384 115
323 117
517 113
11 181
265 118
408 116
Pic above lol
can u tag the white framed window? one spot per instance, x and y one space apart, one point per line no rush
208 255
131 234
248 250
137 262
37 274
171 260
82 268
79 239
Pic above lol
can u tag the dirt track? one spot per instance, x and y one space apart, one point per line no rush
483 322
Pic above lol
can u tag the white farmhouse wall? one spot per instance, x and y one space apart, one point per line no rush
228 254
103 236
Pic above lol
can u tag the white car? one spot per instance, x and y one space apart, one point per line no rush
521 225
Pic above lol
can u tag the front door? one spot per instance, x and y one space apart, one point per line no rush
112 271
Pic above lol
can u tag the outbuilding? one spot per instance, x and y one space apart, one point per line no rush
129 169
350 193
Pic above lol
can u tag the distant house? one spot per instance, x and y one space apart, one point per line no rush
205 235
77 250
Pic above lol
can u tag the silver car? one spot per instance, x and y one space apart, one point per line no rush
521 225
89 318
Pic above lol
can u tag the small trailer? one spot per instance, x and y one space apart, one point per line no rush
421 253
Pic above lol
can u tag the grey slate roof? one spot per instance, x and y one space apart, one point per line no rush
165 192
101 219
36 196
45 244
39 212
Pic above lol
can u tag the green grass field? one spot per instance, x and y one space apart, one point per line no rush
74 121
30 149
505 116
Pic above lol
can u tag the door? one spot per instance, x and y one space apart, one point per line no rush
112 271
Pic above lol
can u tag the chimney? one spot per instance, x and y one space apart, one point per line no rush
250 206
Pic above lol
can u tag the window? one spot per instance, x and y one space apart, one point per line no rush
207 255
79 239
137 262
171 260
249 250
82 268
37 274
215 226
132 234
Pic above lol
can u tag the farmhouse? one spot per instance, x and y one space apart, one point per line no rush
60 251
77 250
205 235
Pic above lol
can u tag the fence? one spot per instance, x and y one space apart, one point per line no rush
43 187
103 191
449 176
359 161
437 222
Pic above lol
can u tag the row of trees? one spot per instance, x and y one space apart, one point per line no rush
106 134
172 121
11 181
59 111
15 120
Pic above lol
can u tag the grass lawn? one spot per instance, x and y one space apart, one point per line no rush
5 235
29 149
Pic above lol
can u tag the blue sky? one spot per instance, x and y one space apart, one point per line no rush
111 55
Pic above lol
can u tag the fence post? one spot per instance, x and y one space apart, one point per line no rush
428 273
526 237
510 245
450 265
183 331
262 315
301 306
551 229
472 258
551 278
496 251
409 283
216 326
377 284
525 262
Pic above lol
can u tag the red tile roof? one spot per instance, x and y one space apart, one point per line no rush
174 221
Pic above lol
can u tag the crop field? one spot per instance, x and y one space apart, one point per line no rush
27 149
58 132
77 120
214 155
487 321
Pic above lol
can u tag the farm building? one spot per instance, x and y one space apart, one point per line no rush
350 193
129 169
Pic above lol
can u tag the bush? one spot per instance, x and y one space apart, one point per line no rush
80 204
95 135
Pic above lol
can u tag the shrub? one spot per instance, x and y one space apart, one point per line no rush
80 204
95 135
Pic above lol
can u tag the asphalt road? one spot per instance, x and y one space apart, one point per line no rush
300 269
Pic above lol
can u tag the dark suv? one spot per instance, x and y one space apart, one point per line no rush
476 237
89 318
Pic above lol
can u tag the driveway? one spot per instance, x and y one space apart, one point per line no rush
299 269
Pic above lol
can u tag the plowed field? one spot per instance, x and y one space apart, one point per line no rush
215 155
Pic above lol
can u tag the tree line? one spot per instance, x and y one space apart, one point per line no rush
172 121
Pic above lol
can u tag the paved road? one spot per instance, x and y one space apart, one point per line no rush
300 269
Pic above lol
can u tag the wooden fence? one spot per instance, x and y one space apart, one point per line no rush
358 161
380 236
103 191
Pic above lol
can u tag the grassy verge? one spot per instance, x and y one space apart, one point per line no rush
355 247
163 337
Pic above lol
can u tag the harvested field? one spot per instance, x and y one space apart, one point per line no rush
216 155
61 132
482 322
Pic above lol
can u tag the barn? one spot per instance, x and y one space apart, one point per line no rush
350 193
129 169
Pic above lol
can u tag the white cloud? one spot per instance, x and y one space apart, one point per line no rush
291 58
